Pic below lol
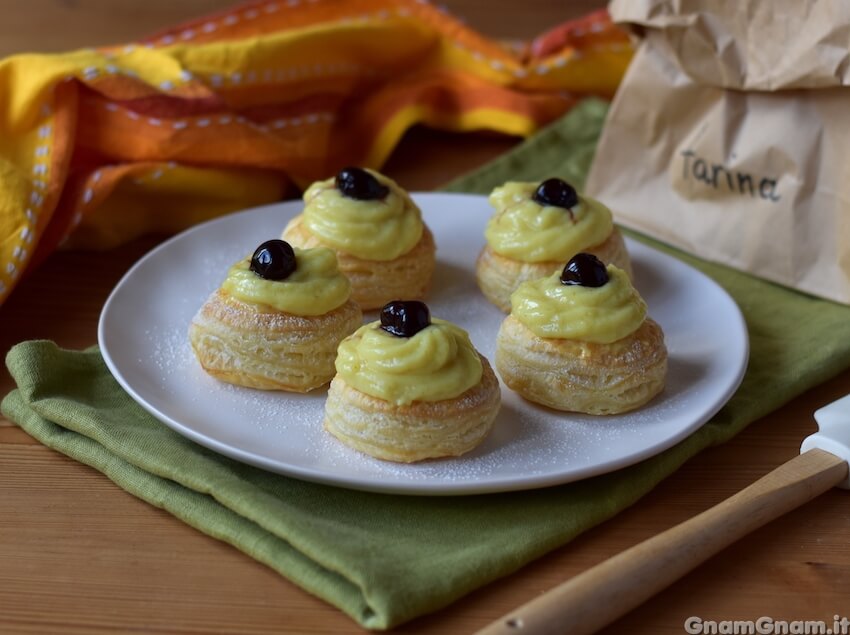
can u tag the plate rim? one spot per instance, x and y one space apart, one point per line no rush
417 488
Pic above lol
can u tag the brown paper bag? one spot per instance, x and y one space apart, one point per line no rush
730 136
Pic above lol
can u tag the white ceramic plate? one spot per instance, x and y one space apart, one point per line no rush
143 327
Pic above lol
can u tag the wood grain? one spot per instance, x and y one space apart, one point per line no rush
79 555
598 596
50 26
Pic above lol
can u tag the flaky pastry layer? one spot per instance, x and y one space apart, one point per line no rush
421 430
376 282
242 344
581 376
499 276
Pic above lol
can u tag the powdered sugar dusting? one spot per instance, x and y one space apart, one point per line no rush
145 339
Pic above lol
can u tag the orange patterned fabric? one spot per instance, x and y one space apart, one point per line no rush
239 108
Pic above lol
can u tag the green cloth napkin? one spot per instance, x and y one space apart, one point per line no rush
385 559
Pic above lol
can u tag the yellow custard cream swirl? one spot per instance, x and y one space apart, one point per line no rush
437 363
592 314
527 231
315 287
381 229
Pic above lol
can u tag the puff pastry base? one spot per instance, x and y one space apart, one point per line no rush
498 276
376 282
238 343
580 376
421 430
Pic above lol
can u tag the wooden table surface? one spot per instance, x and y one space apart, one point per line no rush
79 555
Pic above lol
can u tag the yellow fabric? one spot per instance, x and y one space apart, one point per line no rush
237 109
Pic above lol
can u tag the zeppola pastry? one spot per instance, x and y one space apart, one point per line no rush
536 228
276 320
580 341
376 229
410 388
